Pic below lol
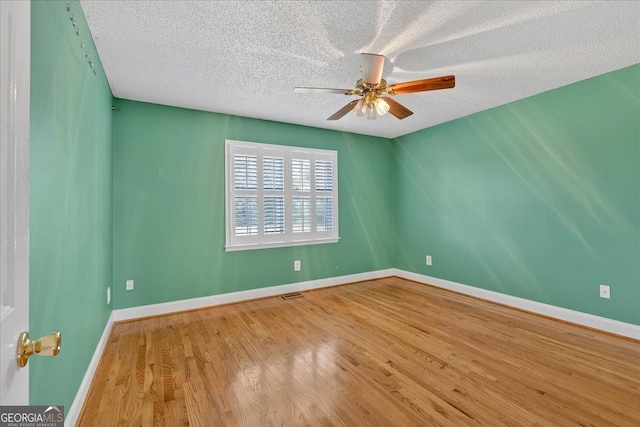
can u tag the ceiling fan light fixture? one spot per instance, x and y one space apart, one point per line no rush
370 108
370 114
381 106
364 108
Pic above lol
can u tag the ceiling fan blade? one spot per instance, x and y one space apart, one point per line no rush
444 82
322 90
372 68
344 110
397 109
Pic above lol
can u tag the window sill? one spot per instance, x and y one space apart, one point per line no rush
253 246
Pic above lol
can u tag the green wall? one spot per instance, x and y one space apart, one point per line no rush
70 200
538 199
169 206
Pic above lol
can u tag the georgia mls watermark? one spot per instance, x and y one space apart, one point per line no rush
31 416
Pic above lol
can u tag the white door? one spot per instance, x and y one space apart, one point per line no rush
14 196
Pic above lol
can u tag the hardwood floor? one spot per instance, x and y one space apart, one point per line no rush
387 352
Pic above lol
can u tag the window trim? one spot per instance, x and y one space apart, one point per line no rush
232 242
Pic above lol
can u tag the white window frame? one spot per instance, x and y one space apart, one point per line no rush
288 238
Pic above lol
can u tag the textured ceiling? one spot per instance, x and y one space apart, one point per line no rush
245 58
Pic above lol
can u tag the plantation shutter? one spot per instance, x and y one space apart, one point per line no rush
279 195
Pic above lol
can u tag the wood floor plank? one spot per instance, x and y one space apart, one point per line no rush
379 353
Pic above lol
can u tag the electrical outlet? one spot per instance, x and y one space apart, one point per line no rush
129 285
108 295
296 265
428 259
605 291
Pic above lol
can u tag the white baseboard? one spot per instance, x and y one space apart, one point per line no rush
584 319
213 300
74 412
577 317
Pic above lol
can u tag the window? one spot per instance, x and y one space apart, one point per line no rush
279 196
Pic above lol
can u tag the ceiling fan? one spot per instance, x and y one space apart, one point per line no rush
376 94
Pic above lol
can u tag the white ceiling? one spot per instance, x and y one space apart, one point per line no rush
245 57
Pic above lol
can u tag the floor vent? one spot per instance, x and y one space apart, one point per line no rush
292 295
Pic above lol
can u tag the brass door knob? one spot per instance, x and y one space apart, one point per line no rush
49 345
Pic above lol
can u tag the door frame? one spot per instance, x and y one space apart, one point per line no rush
15 39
